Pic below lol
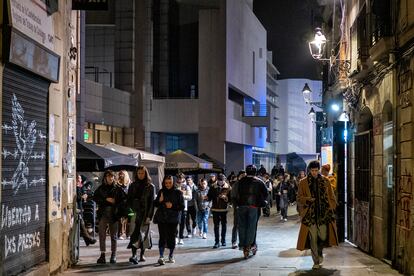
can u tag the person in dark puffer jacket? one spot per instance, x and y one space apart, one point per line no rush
170 203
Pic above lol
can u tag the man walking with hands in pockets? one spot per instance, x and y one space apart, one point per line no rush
317 212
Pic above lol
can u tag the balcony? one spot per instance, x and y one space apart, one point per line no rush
256 115
381 37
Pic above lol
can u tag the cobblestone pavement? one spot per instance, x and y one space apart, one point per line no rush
276 256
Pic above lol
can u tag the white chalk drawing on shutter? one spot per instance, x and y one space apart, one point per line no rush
26 136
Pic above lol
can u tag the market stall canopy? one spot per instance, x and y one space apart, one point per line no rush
182 161
135 153
217 165
154 163
90 157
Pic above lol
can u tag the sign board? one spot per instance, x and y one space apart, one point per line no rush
327 156
31 18
29 55
96 5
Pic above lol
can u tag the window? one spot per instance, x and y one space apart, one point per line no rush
254 67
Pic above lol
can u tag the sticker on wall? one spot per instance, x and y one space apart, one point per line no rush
56 202
70 189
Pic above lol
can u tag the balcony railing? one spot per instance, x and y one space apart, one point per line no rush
380 28
99 75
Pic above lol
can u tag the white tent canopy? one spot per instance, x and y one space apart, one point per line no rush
144 158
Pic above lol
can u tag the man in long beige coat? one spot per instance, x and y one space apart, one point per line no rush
317 206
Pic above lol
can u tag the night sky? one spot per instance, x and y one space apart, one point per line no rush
289 27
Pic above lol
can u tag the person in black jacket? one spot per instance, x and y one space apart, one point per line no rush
219 194
110 198
250 195
170 203
141 194
82 195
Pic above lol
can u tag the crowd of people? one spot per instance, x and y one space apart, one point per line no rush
181 209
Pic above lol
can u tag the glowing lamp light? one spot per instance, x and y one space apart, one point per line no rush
316 47
343 117
335 107
306 91
312 114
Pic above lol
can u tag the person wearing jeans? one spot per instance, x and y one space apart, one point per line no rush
109 196
203 208
187 195
250 195
219 194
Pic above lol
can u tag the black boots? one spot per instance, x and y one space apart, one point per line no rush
101 259
89 241
113 258
134 258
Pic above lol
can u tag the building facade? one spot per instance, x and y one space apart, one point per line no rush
211 91
297 133
376 43
39 83
267 156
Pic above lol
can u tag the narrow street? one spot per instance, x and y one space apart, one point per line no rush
276 256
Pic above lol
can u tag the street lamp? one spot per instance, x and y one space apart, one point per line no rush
306 92
317 46
312 114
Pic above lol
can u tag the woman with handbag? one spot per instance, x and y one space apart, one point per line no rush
170 203
110 197
123 224
141 194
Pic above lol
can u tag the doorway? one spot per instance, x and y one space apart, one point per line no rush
388 190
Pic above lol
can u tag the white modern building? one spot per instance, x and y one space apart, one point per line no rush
267 156
297 133
223 111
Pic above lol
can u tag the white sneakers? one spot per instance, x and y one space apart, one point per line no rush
180 241
205 236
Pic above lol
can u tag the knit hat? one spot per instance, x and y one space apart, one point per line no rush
327 167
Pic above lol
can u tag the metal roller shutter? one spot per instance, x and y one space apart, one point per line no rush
23 239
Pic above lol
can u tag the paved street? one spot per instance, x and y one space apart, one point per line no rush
276 256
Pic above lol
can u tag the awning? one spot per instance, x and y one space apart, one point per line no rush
137 154
217 165
90 158
155 163
182 161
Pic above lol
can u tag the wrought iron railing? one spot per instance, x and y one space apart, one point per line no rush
381 27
